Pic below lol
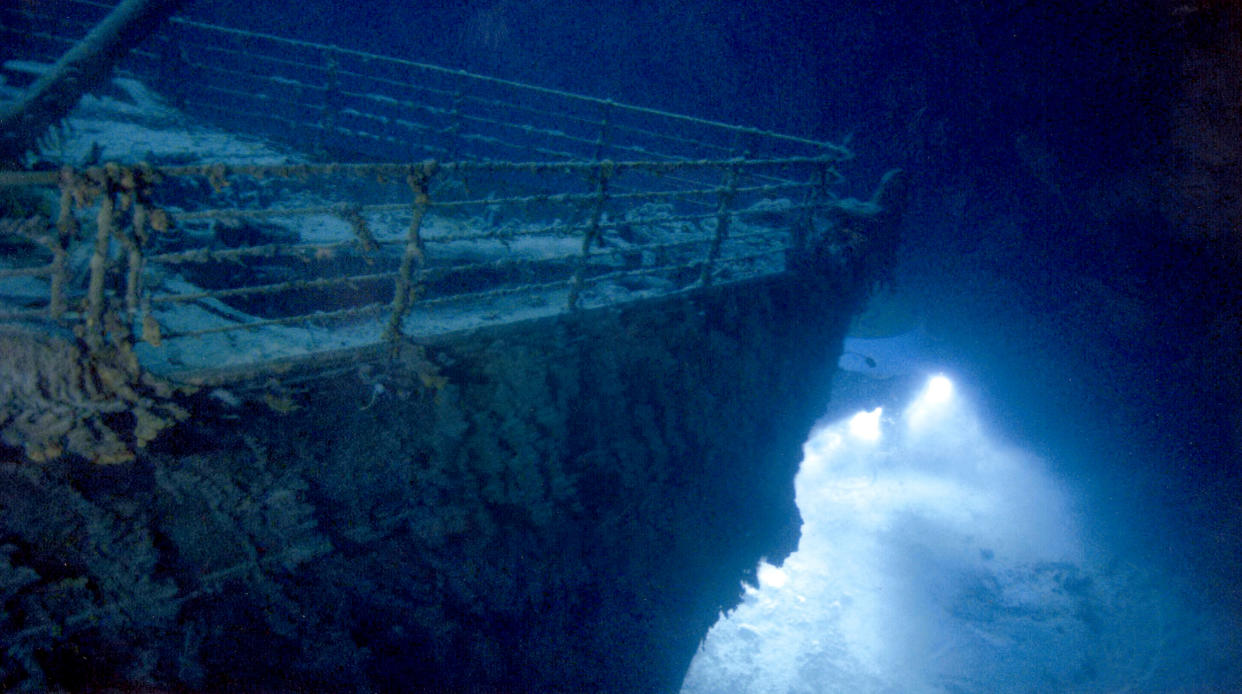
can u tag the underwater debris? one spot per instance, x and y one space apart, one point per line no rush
415 358
58 399
279 397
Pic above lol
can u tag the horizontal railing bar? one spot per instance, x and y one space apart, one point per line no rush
393 169
448 270
735 235
381 99
353 312
555 198
584 197
621 127
441 112
508 106
93 3
836 150
252 114
41 271
302 170
33 13
555 154
387 120
528 129
208 48
291 285
42 35
251 97
202 255
305 125
737 259
23 314
619 274
492 293
398 83
460 74
564 230
334 209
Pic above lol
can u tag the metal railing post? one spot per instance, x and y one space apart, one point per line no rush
602 140
453 131
818 191
723 217
66 229
104 221
331 98
603 172
415 252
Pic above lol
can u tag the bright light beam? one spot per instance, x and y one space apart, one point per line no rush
772 576
939 389
866 425
931 558
933 401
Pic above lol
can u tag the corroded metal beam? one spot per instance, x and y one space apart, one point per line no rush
83 68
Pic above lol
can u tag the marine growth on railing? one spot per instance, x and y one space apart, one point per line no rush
409 201
532 200
224 264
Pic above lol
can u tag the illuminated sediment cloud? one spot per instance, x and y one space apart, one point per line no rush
932 558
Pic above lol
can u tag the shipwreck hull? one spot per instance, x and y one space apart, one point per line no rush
504 389
564 505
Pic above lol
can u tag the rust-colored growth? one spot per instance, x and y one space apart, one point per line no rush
67 228
404 293
358 224
723 218
602 173
159 219
151 332
217 177
58 399
103 185
428 372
